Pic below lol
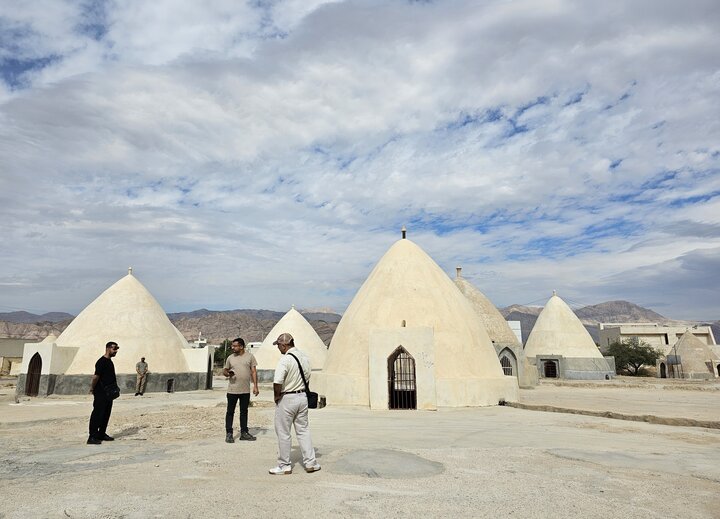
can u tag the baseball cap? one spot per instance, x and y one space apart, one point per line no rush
285 338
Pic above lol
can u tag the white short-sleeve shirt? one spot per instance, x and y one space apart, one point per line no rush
288 374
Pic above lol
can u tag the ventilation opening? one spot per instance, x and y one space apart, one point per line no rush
506 365
171 385
32 383
550 369
402 392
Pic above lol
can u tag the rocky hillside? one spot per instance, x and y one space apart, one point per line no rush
254 325
215 326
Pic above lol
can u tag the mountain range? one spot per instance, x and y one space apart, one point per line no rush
254 325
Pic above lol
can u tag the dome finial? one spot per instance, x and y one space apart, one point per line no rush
404 232
129 271
458 272
554 292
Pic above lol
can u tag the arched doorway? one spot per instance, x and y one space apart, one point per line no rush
550 369
402 392
718 368
508 362
32 383
663 370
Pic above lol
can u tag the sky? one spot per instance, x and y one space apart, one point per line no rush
261 154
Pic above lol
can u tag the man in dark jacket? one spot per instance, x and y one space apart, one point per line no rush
103 379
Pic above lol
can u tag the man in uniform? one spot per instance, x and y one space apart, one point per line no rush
291 406
240 367
142 371
102 404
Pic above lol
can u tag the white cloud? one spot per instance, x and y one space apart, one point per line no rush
265 154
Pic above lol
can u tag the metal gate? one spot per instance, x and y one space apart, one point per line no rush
506 365
402 392
32 383
550 369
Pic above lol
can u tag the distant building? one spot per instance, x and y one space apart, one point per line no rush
11 352
689 358
305 338
516 328
129 315
561 347
659 336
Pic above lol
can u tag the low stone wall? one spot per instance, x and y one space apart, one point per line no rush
80 384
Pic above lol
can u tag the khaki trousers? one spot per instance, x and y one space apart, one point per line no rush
140 384
293 410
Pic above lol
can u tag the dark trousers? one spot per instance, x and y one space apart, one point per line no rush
100 416
232 400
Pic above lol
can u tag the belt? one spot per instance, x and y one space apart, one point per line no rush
293 392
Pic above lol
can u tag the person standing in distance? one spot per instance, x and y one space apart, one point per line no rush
291 406
142 371
240 367
102 404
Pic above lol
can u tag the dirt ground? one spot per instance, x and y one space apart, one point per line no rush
170 460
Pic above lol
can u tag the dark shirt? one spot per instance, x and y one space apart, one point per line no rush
105 369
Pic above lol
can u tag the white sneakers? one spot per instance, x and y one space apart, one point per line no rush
282 471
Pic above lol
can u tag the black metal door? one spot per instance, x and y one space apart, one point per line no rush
32 383
209 379
550 369
506 365
402 392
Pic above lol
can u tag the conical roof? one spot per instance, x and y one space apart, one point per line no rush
495 324
129 315
407 288
558 331
305 336
694 353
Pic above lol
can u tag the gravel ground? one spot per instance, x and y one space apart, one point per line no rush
169 460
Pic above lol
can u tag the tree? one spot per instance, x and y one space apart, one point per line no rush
222 353
632 354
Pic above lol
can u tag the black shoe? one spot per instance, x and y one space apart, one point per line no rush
136 394
93 441
107 438
247 436
229 438
141 394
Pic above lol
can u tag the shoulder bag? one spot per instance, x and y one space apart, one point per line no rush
311 396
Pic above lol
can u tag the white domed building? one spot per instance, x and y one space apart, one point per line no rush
305 337
411 340
690 358
559 346
129 315
507 346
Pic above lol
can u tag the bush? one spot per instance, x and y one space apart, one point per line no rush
632 354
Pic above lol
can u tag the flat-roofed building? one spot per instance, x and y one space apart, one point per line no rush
659 336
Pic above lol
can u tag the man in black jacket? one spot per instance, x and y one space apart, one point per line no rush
103 379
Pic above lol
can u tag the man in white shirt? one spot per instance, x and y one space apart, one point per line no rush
291 406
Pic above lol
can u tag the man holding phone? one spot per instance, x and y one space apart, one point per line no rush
240 368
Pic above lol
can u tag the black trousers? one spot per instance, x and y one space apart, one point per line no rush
100 416
232 400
